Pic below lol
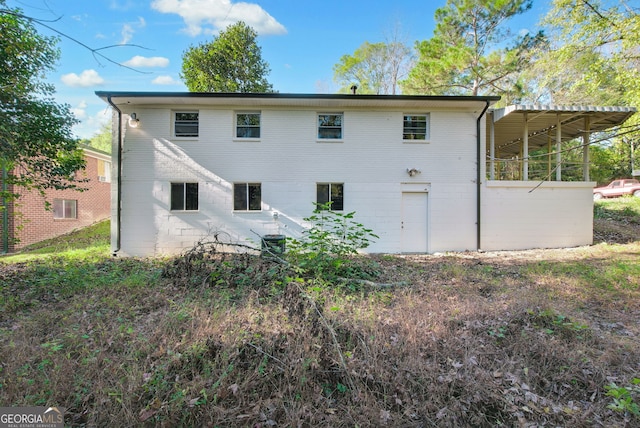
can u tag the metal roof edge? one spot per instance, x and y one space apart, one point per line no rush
505 111
278 95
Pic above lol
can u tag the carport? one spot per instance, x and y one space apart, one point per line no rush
533 200
515 131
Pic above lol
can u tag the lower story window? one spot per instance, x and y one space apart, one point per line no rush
331 192
247 197
184 196
65 208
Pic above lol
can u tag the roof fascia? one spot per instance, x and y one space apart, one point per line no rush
277 95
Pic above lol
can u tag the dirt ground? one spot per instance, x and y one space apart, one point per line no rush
604 232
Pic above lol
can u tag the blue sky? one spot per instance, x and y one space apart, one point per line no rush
301 40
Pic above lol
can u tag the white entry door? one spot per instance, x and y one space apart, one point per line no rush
414 226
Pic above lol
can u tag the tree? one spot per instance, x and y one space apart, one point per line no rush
375 68
466 55
37 150
101 140
232 62
593 58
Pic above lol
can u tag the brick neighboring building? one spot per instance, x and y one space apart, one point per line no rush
30 222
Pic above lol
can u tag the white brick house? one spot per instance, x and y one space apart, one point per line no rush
411 167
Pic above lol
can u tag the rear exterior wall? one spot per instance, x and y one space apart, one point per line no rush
288 160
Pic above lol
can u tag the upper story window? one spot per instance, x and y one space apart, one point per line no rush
65 208
186 124
415 127
330 126
330 192
248 125
247 196
184 196
104 171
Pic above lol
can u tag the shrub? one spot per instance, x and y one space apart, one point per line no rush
325 248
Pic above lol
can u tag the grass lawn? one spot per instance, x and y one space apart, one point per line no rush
528 338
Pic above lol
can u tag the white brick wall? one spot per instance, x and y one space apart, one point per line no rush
371 161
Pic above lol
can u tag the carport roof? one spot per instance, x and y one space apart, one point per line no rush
543 119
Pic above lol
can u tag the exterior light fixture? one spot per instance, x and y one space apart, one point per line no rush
413 171
133 120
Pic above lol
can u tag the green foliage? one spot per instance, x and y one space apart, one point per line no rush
35 131
591 59
625 210
374 68
466 54
624 398
232 62
593 52
498 333
551 322
101 140
326 245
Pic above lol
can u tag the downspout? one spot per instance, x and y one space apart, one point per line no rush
479 176
119 179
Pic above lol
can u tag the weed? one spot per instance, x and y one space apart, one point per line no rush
624 398
498 333
325 247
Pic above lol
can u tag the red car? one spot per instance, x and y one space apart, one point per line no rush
627 186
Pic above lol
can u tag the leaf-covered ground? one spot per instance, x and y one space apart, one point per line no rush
531 338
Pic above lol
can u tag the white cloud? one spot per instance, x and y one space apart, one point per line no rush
80 110
79 113
127 34
121 6
141 61
211 16
128 30
85 79
165 80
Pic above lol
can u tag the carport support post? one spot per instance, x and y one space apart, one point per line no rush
492 149
548 157
585 148
525 148
559 149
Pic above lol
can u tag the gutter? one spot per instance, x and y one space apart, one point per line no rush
478 178
119 179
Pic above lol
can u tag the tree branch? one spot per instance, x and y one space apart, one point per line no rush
95 51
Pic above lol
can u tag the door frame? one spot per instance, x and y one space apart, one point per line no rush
423 188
